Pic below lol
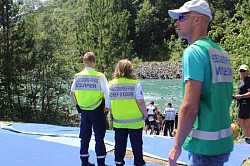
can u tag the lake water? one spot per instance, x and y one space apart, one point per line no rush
159 91
162 92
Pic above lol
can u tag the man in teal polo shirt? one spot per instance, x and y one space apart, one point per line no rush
204 120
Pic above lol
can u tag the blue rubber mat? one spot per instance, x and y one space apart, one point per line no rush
32 145
24 151
40 144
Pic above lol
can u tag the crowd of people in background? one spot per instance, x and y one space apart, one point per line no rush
159 123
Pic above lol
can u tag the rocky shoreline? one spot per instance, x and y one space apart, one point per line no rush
159 70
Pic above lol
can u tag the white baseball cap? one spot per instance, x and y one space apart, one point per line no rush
243 67
199 6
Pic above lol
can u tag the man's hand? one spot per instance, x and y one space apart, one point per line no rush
173 156
238 97
79 110
106 111
174 132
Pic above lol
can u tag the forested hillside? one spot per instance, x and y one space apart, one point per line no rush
42 43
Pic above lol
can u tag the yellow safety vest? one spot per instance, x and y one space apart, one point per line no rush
125 110
88 89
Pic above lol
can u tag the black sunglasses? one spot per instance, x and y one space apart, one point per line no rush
241 70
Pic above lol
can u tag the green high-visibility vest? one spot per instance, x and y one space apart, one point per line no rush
212 133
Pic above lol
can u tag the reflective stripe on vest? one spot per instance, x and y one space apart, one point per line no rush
128 121
208 135
92 105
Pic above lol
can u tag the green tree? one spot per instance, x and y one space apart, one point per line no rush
237 34
13 46
51 63
103 29
148 44
176 47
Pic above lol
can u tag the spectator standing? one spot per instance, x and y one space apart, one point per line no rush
128 109
243 98
150 121
87 94
169 113
204 124
158 123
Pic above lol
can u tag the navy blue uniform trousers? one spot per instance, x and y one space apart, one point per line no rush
135 136
96 119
